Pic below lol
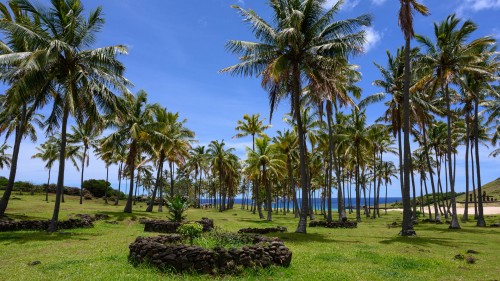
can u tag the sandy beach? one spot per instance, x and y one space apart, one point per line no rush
486 210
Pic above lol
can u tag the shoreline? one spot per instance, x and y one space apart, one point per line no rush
460 210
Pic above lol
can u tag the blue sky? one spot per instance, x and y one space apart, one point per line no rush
177 47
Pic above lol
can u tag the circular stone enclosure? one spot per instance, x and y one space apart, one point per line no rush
166 253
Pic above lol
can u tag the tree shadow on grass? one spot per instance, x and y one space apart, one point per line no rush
309 237
24 237
477 230
121 216
22 217
427 241
258 221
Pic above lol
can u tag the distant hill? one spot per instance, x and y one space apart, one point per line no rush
492 189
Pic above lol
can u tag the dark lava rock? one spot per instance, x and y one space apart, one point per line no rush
33 263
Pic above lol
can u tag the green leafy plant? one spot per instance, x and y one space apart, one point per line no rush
176 206
191 231
218 238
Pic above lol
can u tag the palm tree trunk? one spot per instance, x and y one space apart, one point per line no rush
301 227
454 217
473 181
467 139
119 184
427 197
47 189
13 166
268 194
329 178
158 178
131 166
437 218
81 177
480 216
358 195
385 207
171 165
375 203
106 188
407 225
60 177
440 186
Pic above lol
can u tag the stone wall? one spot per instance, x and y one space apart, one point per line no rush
163 253
334 224
164 226
82 221
263 230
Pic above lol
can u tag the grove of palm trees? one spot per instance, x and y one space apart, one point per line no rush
390 178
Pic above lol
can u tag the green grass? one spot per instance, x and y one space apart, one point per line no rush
371 252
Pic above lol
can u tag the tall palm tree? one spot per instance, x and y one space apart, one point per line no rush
134 128
170 142
357 142
450 57
221 162
84 134
18 113
251 125
49 152
286 143
81 79
196 163
388 172
405 20
303 44
267 160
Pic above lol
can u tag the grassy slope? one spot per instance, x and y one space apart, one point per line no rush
492 189
371 252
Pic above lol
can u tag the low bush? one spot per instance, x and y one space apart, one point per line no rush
190 231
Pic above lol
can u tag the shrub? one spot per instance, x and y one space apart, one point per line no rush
176 207
190 230
97 187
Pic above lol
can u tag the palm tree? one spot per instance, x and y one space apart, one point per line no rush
304 44
286 143
134 128
266 159
81 80
4 157
48 151
405 20
387 172
84 134
251 125
196 163
221 161
18 114
357 142
449 57
170 142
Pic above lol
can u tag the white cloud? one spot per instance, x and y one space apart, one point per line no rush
348 4
241 2
372 38
378 2
477 5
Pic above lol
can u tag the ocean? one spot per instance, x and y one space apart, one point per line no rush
317 202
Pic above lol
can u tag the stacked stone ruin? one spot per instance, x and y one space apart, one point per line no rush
263 230
165 253
334 224
164 226
82 221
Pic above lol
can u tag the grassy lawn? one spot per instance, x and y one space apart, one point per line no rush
373 251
